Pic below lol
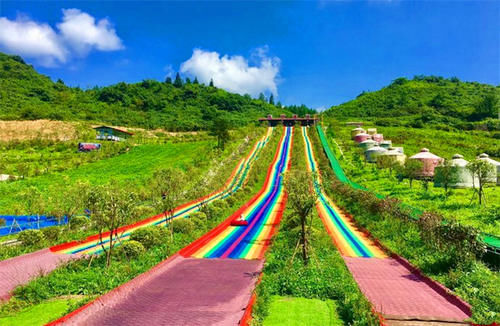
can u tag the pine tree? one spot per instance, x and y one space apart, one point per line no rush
195 81
279 104
188 81
168 80
178 81
211 82
271 99
262 97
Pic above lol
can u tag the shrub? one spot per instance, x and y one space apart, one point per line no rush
77 222
148 236
52 233
31 238
199 220
144 211
2 222
183 225
131 249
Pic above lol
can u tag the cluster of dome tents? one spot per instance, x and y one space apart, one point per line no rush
374 147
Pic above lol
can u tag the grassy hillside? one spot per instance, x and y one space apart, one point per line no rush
131 168
460 205
427 100
28 95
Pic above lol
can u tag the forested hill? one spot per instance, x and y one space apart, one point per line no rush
427 100
179 105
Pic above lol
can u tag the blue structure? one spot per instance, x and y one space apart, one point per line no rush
15 224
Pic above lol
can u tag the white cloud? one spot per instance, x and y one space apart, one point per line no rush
77 34
233 73
80 31
31 39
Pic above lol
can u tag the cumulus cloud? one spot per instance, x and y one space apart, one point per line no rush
77 34
31 39
80 31
234 73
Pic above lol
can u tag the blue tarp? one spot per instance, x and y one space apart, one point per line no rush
15 224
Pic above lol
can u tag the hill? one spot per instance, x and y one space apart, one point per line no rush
427 100
27 95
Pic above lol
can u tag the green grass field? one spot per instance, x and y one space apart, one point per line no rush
39 314
131 168
460 205
301 312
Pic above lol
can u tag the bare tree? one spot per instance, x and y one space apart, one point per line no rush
302 198
482 172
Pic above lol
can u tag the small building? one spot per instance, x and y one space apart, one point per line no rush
369 143
464 177
378 138
395 155
357 131
496 164
361 137
374 152
429 160
110 133
386 144
371 131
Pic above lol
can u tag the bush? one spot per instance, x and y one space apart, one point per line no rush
183 225
31 238
148 236
77 222
52 233
199 220
131 249
2 222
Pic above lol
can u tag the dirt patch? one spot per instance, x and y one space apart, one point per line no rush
45 129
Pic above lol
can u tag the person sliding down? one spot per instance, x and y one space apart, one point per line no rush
240 221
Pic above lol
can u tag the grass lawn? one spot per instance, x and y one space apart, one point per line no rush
39 314
131 168
291 311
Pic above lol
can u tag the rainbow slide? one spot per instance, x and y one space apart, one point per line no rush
262 213
348 239
93 245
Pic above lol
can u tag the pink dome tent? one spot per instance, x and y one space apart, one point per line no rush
429 160
361 137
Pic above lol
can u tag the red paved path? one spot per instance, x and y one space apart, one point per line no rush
19 270
182 291
396 291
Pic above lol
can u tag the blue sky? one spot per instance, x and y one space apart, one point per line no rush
317 53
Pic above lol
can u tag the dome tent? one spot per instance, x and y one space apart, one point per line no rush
369 143
496 164
429 160
464 177
395 155
386 144
356 131
361 137
372 131
378 138
371 154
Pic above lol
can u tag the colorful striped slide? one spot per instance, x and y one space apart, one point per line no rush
342 230
92 245
263 214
